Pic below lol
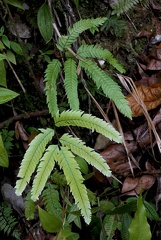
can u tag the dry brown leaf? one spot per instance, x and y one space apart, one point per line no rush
132 186
150 95
116 158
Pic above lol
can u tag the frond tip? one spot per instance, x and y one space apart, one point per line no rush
32 157
78 147
80 119
67 162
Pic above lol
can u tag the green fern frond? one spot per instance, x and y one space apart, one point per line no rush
8 222
78 147
46 165
32 157
74 178
51 200
29 207
110 224
96 51
58 178
109 87
78 118
121 6
78 27
51 75
71 83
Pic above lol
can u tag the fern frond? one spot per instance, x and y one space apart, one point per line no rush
71 83
109 87
78 147
78 27
8 222
74 178
78 118
32 157
46 165
110 224
29 207
51 75
121 6
96 51
51 200
58 178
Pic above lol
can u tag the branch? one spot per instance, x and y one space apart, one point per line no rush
24 116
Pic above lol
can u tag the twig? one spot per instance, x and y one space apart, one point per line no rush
16 76
24 116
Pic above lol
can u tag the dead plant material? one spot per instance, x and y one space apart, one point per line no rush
116 158
150 95
132 186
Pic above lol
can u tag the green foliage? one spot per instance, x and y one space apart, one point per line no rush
7 95
32 157
51 200
44 21
3 154
109 87
80 119
114 25
126 220
16 3
121 6
79 27
7 137
41 158
59 178
71 83
29 207
50 223
8 222
139 228
51 75
110 224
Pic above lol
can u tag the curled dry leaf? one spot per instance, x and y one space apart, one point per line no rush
132 186
150 95
116 158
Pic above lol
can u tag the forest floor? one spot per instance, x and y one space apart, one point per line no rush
135 40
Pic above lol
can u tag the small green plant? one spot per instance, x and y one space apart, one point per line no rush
121 6
42 156
8 222
114 25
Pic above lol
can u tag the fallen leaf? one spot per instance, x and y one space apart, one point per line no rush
150 95
116 158
132 186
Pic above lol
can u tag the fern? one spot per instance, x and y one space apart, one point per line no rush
29 207
51 200
96 51
78 147
110 224
71 83
120 6
51 75
79 27
58 178
109 87
32 157
74 178
46 165
80 119
8 222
